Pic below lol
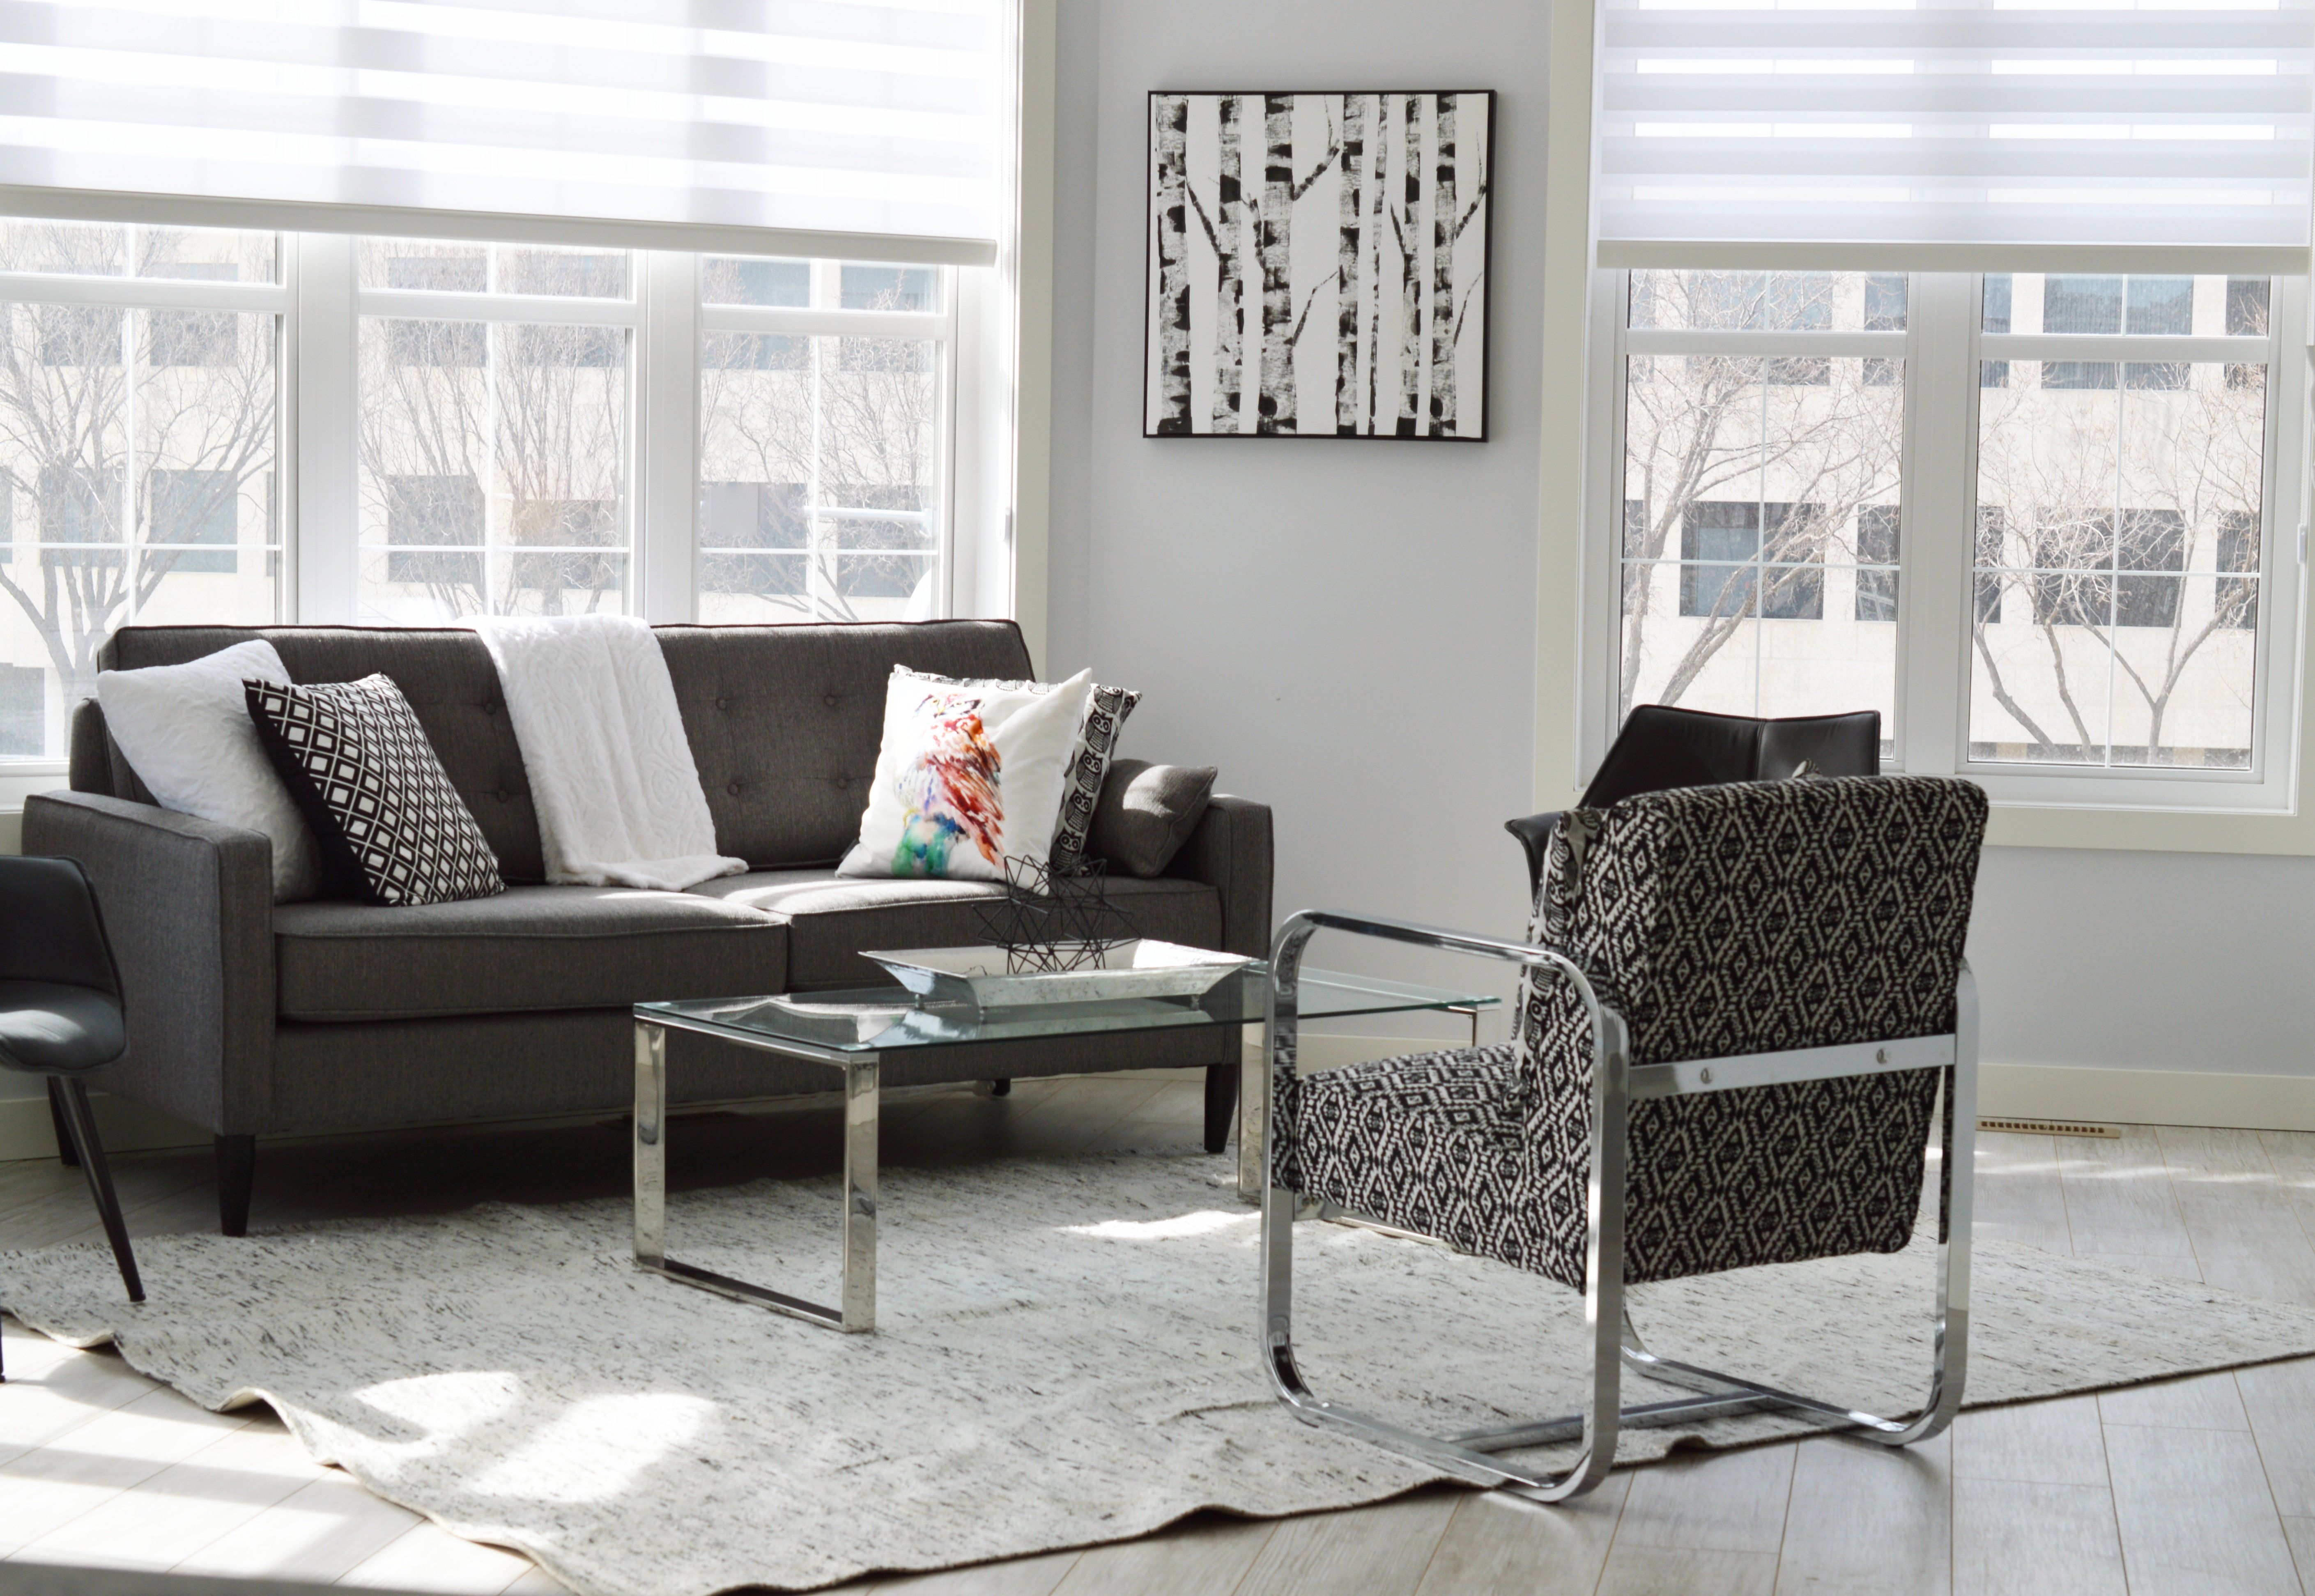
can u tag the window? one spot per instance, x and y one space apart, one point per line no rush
2123 487
139 436
224 424
2044 507
1761 484
824 405
494 406
2105 524
502 410
193 511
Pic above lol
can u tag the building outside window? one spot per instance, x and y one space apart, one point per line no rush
1771 479
823 449
2119 507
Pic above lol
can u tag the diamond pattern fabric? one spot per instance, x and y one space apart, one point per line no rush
393 830
1718 921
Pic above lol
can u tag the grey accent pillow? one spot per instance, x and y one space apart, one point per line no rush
1146 812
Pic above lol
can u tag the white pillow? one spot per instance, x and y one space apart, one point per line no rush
186 730
969 772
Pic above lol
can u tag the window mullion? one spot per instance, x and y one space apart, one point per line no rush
328 562
1938 505
666 496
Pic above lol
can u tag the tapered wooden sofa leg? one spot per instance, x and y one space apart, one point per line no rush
236 1171
1222 1104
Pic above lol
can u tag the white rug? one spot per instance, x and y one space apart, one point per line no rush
1065 1355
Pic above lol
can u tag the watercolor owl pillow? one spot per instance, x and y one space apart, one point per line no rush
968 773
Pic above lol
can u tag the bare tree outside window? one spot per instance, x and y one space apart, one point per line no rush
137 454
499 447
2120 507
819 468
1756 488
2115 591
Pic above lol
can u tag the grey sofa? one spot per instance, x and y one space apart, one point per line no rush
250 1019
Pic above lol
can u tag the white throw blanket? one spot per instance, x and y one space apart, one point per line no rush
611 774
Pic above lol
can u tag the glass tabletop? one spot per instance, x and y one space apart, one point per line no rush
878 1019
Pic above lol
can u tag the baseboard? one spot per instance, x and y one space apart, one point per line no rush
27 1131
2148 1096
2014 1091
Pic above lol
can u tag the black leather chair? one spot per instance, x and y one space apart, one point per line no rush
1661 748
61 1014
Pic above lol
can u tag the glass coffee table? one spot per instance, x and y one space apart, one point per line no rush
850 1032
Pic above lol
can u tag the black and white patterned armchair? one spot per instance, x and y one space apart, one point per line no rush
1738 1006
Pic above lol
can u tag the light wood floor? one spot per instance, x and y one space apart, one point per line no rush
2197 1486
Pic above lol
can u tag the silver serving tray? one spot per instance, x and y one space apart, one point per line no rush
1141 967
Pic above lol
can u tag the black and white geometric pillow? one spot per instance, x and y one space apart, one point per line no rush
1089 756
392 829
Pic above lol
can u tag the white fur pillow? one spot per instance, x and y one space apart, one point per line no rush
186 731
969 772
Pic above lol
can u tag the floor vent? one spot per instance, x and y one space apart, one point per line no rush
2049 1128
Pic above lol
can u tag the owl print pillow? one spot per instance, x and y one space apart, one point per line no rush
969 772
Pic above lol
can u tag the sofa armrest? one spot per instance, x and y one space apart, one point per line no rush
188 905
1231 851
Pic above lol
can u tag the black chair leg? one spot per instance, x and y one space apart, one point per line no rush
236 1172
82 1124
57 1114
1222 1104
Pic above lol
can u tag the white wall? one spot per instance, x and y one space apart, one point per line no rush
1347 628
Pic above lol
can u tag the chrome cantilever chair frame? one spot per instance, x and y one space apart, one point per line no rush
1607 1326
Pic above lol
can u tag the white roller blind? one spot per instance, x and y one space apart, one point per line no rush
1953 136
821 127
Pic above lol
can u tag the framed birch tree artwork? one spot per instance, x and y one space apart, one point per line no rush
1318 265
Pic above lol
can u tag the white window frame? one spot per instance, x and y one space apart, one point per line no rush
320 304
937 327
1942 346
131 294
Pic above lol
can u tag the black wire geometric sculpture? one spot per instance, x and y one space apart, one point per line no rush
1049 923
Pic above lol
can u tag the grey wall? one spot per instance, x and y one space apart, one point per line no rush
2193 961
1347 628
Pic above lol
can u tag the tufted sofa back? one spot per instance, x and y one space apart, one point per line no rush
783 722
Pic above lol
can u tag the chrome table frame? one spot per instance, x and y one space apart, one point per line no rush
1607 1326
857 1314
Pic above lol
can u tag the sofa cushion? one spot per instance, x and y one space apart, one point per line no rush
831 917
528 948
785 722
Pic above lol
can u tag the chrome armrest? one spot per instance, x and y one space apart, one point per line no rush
1278 1031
